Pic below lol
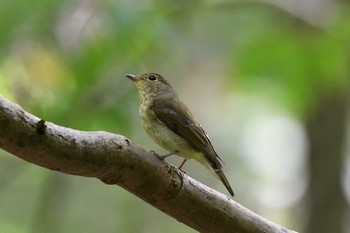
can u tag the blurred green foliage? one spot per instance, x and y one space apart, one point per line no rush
298 64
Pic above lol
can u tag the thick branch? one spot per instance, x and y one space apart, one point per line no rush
115 159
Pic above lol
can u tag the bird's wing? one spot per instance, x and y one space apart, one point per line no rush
176 116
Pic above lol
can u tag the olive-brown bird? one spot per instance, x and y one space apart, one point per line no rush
172 126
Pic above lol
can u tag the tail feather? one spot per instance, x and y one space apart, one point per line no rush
220 174
216 169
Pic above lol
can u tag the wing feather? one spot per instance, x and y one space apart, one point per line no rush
176 116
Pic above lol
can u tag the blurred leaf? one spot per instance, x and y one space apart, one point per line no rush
293 68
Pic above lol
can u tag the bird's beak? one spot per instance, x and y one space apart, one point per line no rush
132 77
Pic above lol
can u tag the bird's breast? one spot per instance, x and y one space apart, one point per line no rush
164 136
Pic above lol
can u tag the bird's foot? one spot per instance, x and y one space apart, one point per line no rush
183 171
181 165
155 154
162 157
180 173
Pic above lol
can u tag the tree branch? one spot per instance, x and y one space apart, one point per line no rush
114 159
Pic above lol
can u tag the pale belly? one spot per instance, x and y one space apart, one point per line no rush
171 142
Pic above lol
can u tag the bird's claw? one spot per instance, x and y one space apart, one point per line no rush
178 169
156 154
153 153
162 157
183 171
180 172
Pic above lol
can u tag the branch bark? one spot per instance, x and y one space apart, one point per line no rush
114 159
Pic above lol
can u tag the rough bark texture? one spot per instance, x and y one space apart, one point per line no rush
115 159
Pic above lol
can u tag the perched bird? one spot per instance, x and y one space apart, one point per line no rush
172 126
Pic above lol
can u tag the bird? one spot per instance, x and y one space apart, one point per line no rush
169 122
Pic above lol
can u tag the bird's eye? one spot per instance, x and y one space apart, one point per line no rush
152 78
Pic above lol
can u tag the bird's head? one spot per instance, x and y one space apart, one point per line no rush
151 84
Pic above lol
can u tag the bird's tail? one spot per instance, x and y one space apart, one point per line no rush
216 169
220 174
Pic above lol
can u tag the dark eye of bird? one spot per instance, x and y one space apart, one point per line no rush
152 78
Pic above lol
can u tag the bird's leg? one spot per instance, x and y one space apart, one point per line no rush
162 157
181 165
